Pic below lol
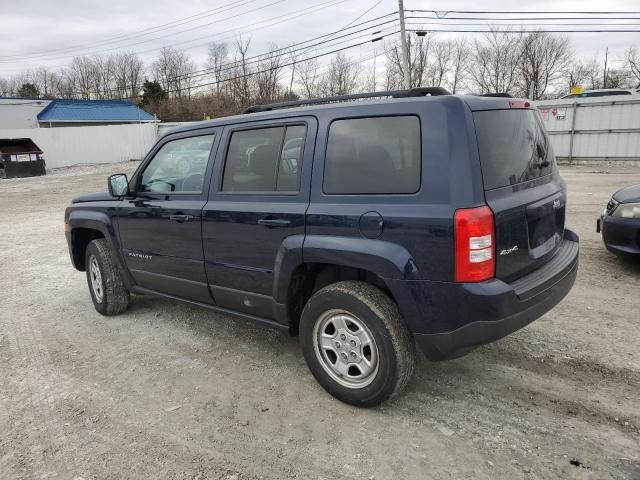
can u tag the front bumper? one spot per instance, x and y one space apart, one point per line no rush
621 236
455 318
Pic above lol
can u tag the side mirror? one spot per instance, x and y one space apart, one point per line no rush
118 185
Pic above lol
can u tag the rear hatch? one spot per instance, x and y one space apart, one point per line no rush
522 188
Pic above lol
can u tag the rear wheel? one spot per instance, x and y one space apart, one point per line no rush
355 343
108 292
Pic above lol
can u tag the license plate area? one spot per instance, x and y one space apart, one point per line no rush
545 224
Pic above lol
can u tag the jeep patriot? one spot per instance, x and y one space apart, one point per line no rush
366 224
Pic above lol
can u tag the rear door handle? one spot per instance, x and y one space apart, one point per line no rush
274 222
180 218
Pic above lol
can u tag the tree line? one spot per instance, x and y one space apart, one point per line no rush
534 65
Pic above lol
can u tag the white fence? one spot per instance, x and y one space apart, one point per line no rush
597 128
66 146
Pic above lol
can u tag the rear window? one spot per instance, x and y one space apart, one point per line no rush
513 147
378 155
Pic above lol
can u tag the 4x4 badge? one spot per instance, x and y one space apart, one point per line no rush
507 251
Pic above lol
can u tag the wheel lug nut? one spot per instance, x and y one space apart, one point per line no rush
338 345
353 343
343 337
344 356
354 355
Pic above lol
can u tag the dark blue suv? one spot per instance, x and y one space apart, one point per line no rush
364 226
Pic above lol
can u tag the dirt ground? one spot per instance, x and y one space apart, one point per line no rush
170 391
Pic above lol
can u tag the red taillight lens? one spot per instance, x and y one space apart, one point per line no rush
474 239
519 104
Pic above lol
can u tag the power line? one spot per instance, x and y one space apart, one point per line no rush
288 49
282 66
257 72
146 31
495 19
304 11
167 35
520 31
265 56
520 24
530 12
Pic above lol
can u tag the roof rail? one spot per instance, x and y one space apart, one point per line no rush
497 94
414 92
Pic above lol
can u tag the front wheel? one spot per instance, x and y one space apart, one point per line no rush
356 344
108 292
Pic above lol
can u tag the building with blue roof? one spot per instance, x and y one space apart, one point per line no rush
61 113
32 113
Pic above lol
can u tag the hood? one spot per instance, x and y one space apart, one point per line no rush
94 197
630 194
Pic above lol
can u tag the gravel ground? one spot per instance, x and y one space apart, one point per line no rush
174 392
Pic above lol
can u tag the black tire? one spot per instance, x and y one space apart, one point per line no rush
114 298
379 313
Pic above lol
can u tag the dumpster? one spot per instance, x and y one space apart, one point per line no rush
20 157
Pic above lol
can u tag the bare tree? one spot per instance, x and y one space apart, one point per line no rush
460 57
419 51
442 58
217 56
240 80
81 70
5 88
173 69
127 71
544 59
341 78
268 75
633 63
308 77
496 58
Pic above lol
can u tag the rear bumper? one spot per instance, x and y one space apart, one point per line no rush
455 318
621 235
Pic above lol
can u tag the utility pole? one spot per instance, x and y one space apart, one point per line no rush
606 57
405 52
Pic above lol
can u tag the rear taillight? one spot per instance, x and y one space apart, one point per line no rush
474 240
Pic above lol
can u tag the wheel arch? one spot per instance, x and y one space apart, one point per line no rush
308 278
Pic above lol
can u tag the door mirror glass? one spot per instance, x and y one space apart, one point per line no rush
118 185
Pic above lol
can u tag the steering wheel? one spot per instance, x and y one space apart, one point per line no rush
193 183
172 187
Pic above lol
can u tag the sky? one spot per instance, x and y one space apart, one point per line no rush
51 33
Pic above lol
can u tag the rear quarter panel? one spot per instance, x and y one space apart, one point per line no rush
420 223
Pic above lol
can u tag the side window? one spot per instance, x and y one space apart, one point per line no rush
378 155
291 159
264 160
179 166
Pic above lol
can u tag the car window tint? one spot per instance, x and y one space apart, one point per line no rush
378 155
179 166
264 159
291 158
513 147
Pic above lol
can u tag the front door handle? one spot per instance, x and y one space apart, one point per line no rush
180 218
274 222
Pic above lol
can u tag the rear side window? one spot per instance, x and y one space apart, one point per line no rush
513 146
264 160
378 155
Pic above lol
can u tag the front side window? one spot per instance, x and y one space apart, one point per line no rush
264 160
378 155
178 167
